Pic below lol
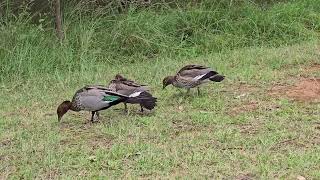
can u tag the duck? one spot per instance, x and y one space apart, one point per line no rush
191 76
128 87
95 98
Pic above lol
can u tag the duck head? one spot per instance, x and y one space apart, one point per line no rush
120 77
63 108
167 81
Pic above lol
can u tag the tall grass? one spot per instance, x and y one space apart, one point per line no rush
28 49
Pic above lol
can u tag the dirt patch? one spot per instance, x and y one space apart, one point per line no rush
179 172
293 143
306 89
24 112
317 125
6 142
249 129
242 89
179 129
182 128
101 141
314 140
52 173
245 176
86 134
246 88
313 68
94 141
242 108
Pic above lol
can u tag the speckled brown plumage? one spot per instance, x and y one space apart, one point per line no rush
191 76
125 86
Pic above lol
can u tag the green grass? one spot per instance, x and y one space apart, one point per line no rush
234 128
184 136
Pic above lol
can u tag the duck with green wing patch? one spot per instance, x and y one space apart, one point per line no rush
97 98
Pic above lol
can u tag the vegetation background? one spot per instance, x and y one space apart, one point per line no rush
256 44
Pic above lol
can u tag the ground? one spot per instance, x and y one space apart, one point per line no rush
262 122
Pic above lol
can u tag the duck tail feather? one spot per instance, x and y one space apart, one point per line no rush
208 75
144 98
217 78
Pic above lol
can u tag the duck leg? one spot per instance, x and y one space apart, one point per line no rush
198 89
141 109
98 115
126 108
188 91
92 116
180 91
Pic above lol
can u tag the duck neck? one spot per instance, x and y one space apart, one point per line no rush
113 85
173 80
72 106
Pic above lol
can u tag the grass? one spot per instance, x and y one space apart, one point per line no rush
185 135
144 35
235 128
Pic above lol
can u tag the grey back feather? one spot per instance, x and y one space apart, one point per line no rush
90 98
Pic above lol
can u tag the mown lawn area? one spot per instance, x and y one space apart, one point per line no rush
261 122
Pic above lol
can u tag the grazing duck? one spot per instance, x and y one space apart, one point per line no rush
192 76
97 98
128 87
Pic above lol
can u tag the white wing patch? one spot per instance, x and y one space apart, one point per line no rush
135 94
199 76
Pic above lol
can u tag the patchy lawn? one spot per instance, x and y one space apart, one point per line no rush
262 122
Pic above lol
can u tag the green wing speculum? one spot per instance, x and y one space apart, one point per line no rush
110 98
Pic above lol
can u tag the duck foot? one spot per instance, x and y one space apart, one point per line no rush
126 112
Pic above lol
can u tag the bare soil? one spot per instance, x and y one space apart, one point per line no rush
246 107
313 68
305 89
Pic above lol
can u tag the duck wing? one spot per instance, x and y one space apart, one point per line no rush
197 72
126 87
127 81
132 84
191 67
95 98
